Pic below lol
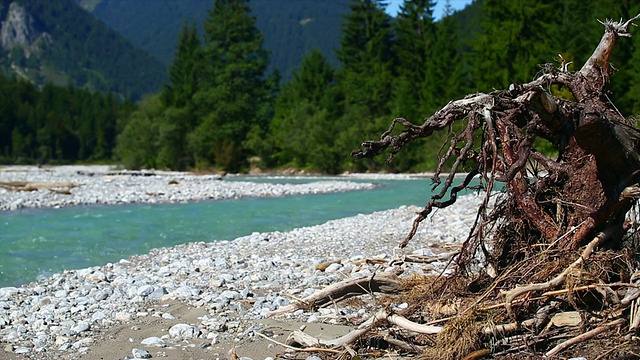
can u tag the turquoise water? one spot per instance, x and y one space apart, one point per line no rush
37 243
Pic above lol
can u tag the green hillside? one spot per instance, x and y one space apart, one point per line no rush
57 42
292 28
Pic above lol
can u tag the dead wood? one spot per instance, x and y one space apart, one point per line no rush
386 283
421 259
307 349
478 354
506 328
598 150
585 336
403 345
60 187
634 317
301 338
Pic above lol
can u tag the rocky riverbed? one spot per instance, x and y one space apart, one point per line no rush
206 300
32 187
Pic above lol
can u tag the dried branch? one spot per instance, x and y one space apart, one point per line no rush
307 349
304 339
583 337
33 186
359 285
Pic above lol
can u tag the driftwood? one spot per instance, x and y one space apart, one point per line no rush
60 187
585 336
307 349
301 338
560 278
387 283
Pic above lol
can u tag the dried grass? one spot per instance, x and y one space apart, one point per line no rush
459 338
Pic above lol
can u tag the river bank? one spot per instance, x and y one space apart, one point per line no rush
202 300
59 186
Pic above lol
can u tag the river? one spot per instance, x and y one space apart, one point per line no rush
36 243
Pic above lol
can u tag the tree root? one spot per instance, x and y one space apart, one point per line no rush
307 349
560 278
516 336
553 206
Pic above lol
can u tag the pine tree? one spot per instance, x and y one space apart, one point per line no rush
415 32
304 119
178 118
183 72
233 92
445 78
367 57
365 80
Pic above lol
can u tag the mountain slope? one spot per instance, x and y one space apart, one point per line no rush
57 42
292 28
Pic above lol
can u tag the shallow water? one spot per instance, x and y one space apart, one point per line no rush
37 243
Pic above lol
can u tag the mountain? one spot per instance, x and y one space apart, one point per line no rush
292 28
58 42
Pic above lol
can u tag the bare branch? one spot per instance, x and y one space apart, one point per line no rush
379 282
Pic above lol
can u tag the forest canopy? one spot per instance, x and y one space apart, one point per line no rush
216 113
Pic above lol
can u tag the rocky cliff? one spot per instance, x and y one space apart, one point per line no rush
19 30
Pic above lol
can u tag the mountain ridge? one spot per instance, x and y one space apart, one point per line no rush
291 28
59 43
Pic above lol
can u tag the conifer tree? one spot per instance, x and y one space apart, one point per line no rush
304 119
178 118
183 72
233 92
445 78
366 76
415 33
367 56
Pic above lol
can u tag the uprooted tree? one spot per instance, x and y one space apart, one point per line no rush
563 236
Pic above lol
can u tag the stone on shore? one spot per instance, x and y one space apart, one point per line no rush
235 283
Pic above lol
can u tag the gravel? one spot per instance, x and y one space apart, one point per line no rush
102 185
236 282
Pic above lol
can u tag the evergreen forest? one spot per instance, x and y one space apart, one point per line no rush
57 125
223 110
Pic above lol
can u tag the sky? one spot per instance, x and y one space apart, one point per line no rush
394 6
